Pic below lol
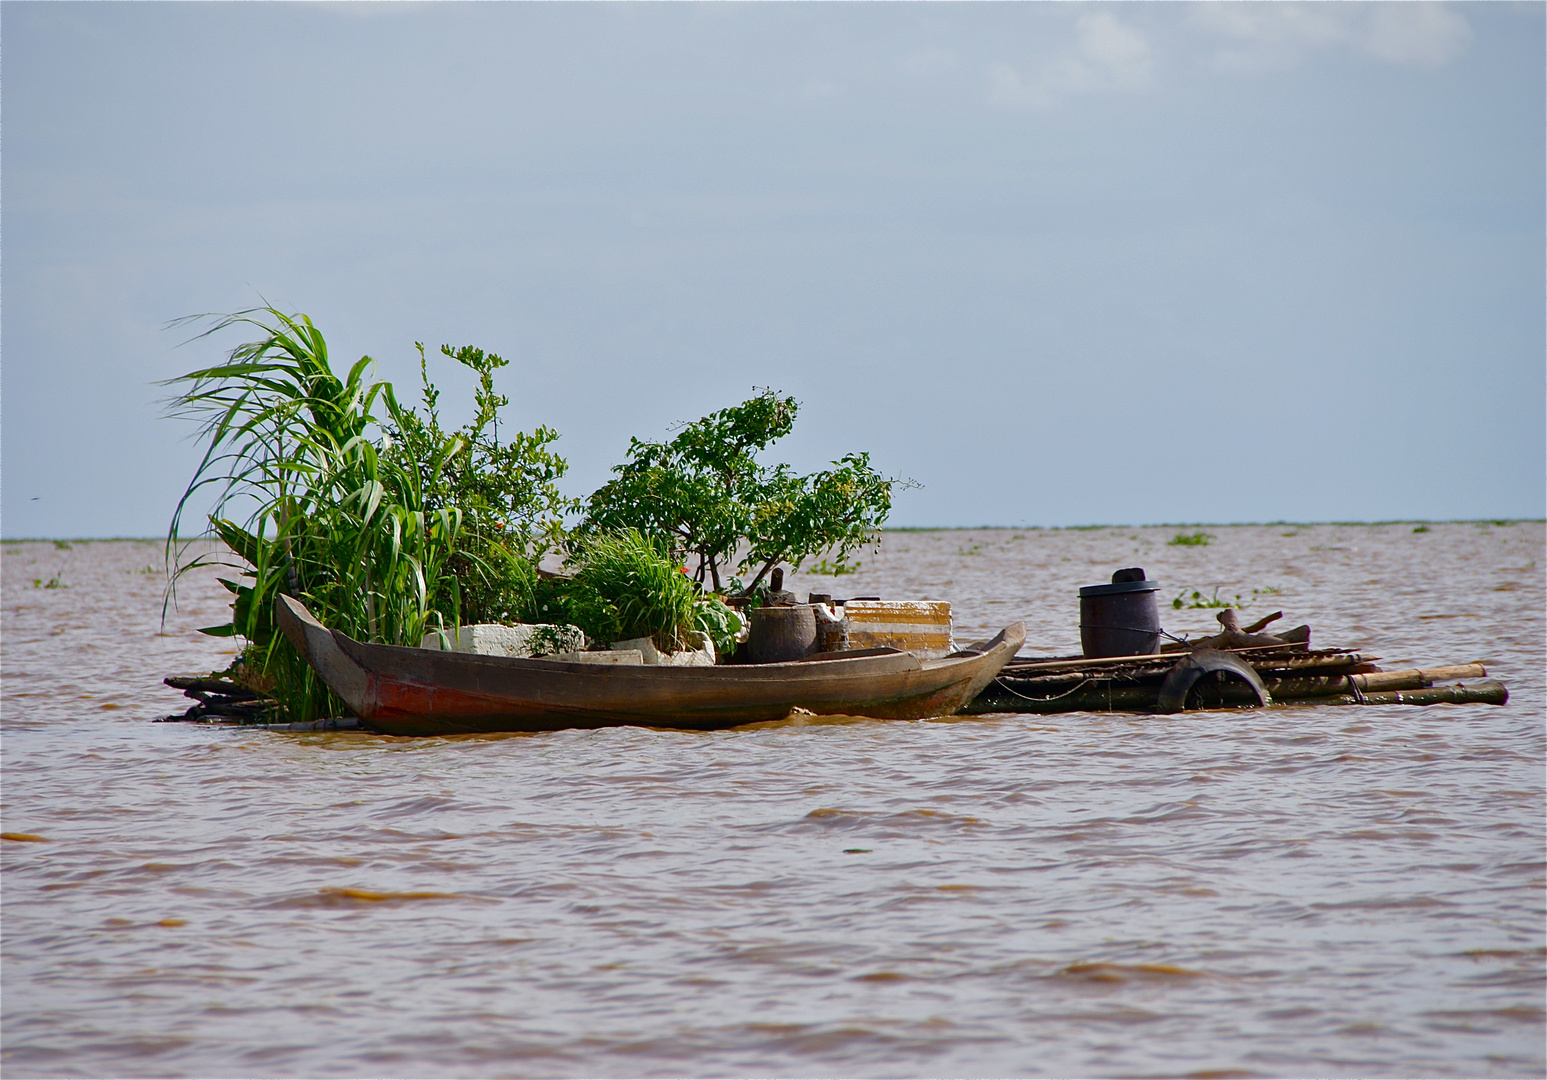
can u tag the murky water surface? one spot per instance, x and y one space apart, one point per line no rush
1292 892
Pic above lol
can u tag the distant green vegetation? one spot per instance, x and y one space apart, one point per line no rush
73 540
1193 598
1192 539
1190 598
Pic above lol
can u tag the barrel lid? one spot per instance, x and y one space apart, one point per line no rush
1120 587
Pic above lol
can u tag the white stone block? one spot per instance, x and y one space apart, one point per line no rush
492 639
702 656
602 656
642 645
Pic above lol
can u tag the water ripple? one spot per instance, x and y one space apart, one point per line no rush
1287 892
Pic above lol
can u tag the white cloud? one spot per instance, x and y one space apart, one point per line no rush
1428 34
1118 54
1107 54
1268 36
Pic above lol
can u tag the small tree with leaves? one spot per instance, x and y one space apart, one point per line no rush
705 495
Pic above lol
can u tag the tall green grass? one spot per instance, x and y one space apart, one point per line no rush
626 586
317 498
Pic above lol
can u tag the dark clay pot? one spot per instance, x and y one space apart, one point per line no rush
781 633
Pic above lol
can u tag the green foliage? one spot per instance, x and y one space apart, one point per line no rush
756 595
718 622
627 587
1192 539
357 514
836 569
506 492
1420 528
705 494
1194 598
838 509
548 638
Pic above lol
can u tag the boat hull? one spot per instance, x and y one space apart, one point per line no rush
406 691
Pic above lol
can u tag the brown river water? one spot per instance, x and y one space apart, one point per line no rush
1297 891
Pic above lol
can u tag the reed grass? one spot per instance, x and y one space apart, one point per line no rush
317 500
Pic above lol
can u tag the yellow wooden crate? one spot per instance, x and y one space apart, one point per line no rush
921 627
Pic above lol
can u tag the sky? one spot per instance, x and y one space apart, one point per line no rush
1060 264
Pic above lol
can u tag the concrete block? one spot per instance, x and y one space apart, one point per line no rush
602 656
642 645
702 656
521 640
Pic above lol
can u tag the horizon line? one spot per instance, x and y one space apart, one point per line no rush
930 528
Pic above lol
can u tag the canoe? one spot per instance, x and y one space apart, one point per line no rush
405 691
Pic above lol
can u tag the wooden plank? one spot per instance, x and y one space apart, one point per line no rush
922 627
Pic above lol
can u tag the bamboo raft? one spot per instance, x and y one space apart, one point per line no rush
1286 673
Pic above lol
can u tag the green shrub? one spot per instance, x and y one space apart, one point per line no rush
380 522
505 491
836 569
626 587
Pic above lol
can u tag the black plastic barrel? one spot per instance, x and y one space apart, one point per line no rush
1120 619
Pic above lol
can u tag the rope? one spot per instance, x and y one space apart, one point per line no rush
1078 686
1358 693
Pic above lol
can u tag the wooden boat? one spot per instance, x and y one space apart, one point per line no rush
405 691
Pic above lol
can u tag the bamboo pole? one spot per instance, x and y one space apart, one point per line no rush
1485 692
1411 687
1395 680
1410 679
1036 685
1249 653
